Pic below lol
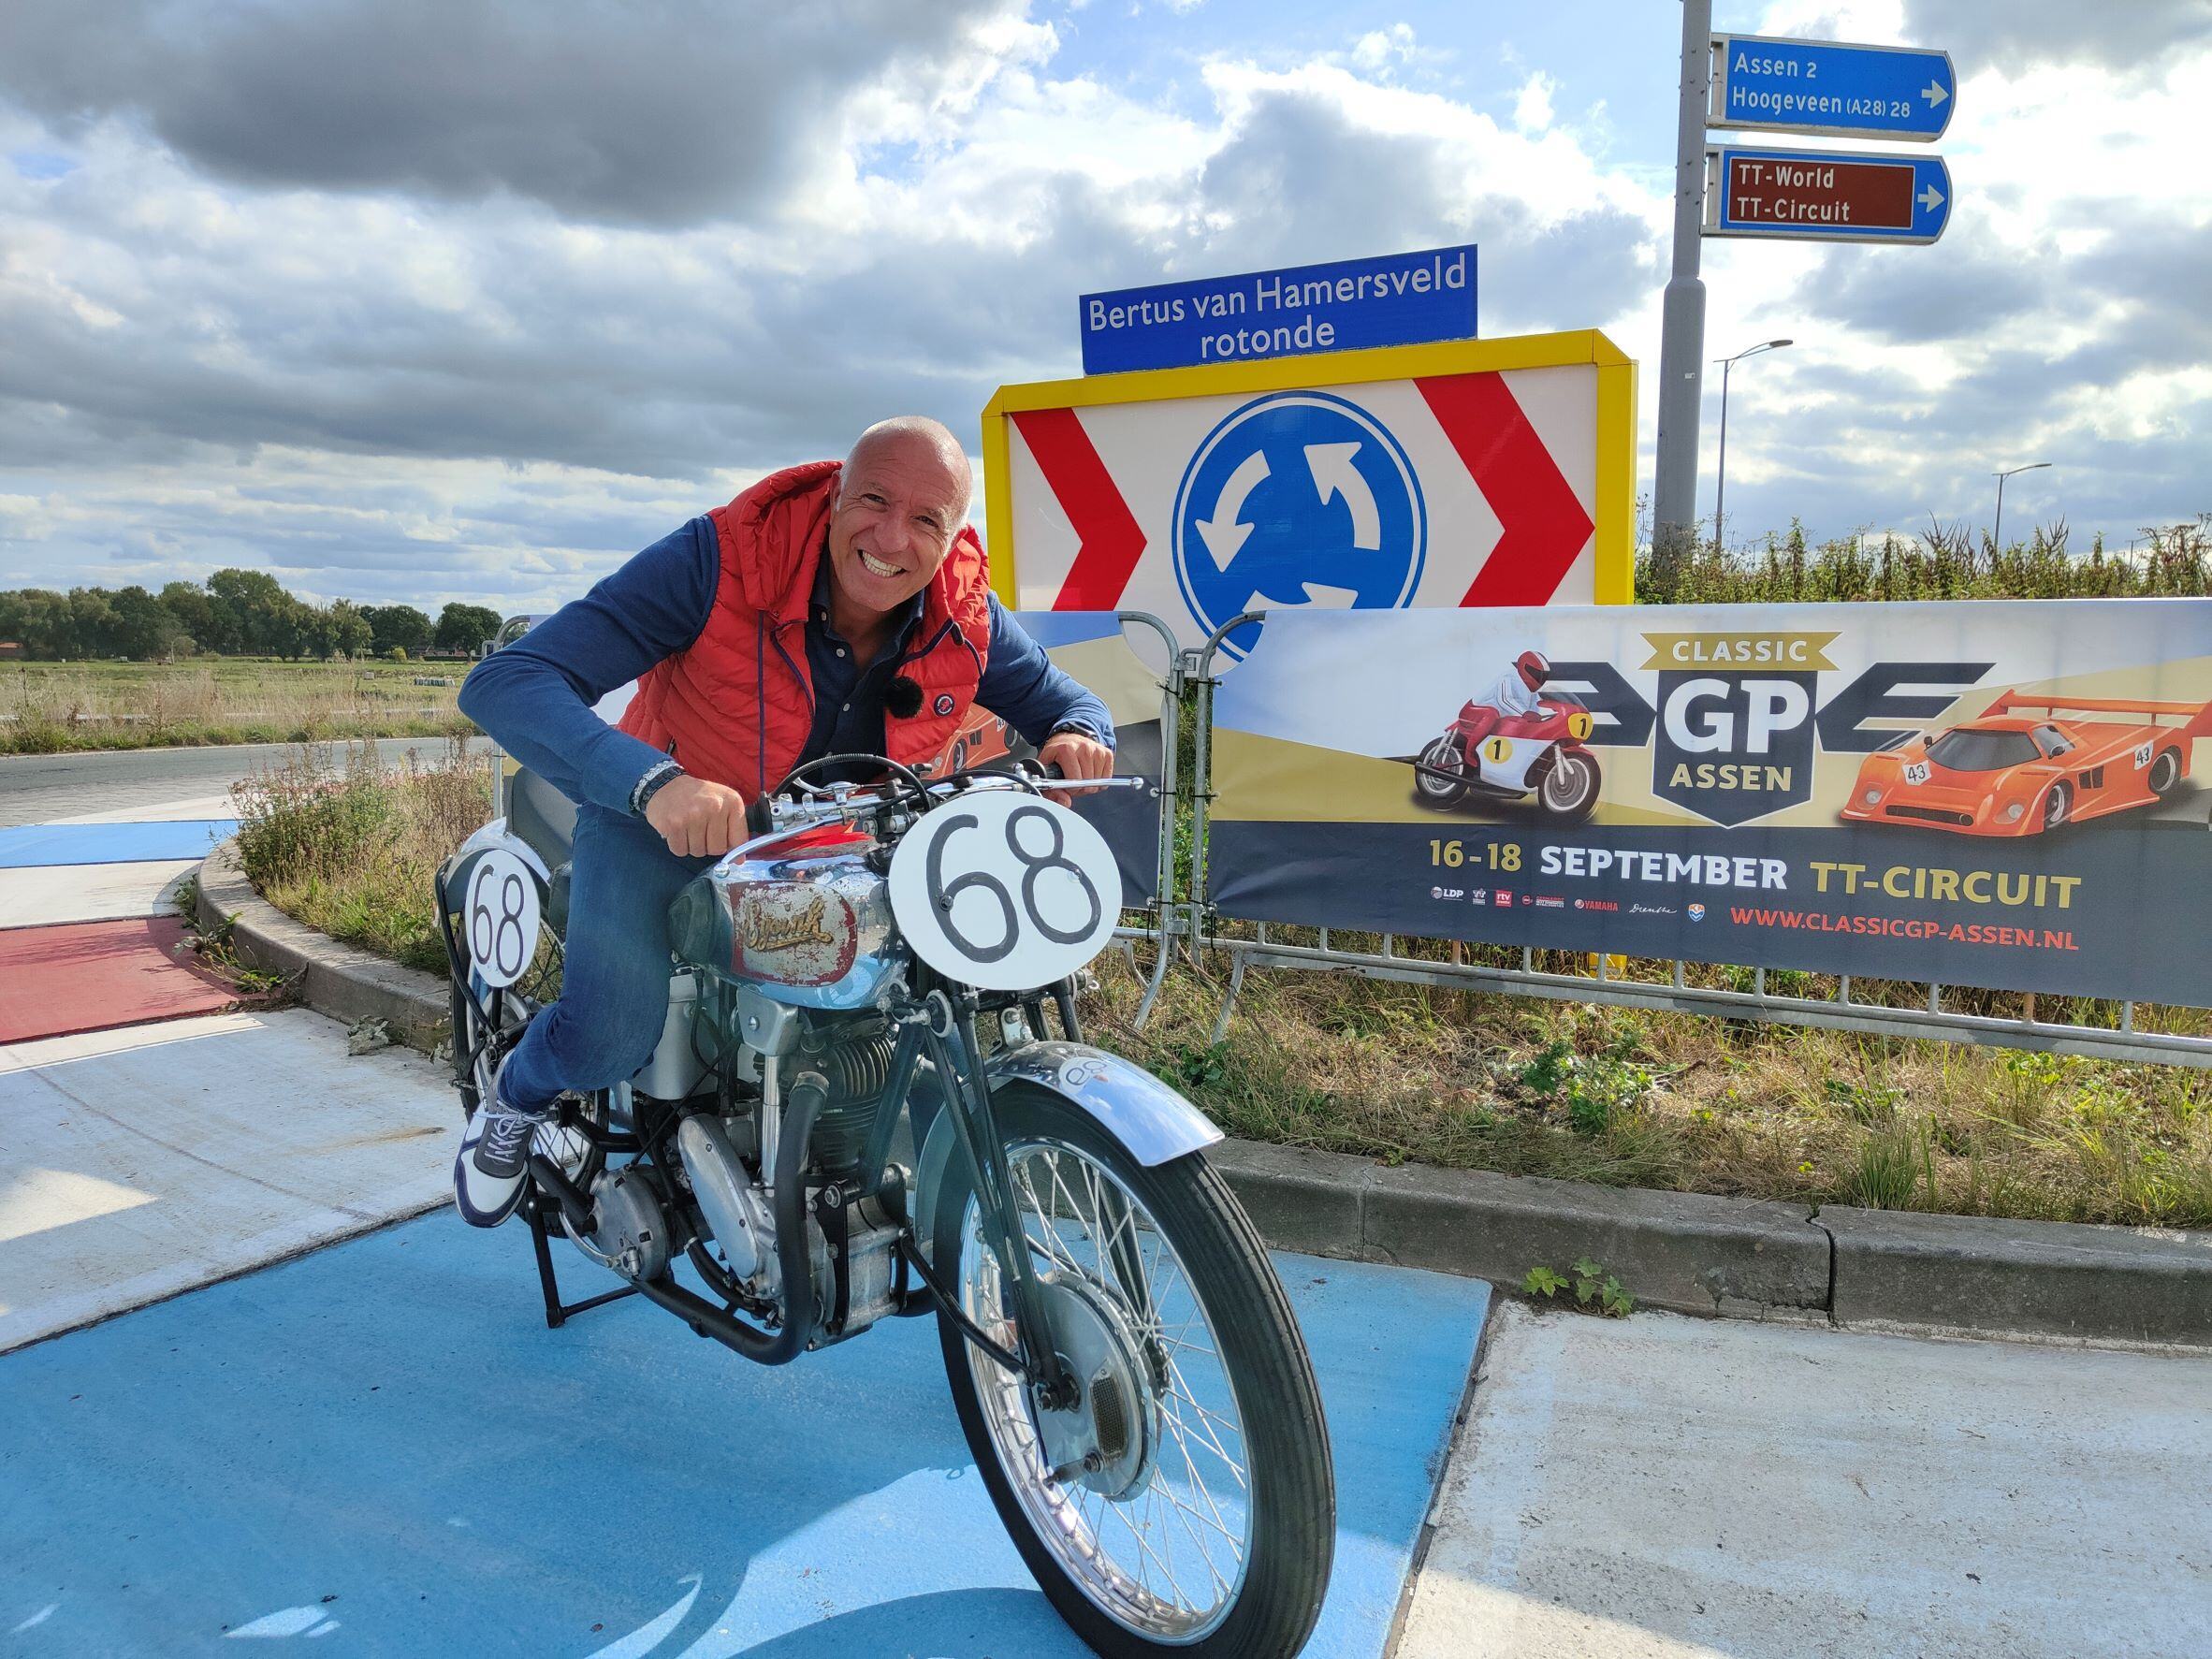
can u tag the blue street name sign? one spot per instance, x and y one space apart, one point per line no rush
1825 86
1825 196
1400 300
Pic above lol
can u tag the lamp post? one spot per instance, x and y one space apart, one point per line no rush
1719 496
1996 535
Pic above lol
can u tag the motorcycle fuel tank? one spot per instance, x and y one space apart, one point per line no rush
808 920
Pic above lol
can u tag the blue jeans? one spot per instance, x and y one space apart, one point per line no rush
614 988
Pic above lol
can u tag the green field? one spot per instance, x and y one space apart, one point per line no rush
47 708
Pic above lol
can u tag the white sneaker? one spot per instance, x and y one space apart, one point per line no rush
492 1168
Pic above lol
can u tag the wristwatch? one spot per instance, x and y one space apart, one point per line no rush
652 783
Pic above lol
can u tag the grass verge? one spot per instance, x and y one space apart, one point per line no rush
50 707
1454 1077
349 847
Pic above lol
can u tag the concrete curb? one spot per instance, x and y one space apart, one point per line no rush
1687 1252
340 980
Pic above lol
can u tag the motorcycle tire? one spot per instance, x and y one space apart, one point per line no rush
1442 755
1283 1573
1573 800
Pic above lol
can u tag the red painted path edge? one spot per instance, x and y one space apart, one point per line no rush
92 976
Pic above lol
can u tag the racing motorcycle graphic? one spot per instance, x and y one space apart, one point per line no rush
872 1099
1516 741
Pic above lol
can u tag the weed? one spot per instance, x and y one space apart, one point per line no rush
1547 1070
1594 1289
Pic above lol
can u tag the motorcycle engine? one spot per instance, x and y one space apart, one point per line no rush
632 1233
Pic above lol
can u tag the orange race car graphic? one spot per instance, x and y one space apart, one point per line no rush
2011 774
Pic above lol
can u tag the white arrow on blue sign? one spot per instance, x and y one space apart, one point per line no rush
1826 86
1825 196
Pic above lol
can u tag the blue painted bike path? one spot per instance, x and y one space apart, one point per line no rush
381 1448
32 845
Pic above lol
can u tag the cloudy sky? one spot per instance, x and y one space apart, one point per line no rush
471 298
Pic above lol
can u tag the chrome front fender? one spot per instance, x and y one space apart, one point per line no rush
1148 1118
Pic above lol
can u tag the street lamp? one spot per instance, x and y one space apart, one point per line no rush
1721 491
1996 535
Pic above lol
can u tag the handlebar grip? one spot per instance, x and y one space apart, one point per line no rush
1054 770
760 816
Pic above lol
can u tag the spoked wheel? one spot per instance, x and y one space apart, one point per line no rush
1187 1502
1434 782
1568 794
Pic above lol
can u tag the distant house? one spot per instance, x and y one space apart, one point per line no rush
10 650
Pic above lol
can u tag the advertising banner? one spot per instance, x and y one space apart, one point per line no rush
1470 473
2005 793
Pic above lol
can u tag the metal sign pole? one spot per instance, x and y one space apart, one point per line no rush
1681 345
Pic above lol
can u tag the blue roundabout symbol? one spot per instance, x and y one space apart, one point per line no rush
1297 499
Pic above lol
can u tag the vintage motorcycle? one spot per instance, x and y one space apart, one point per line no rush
1542 752
857 1111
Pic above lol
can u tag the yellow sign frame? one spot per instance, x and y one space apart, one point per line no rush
1613 521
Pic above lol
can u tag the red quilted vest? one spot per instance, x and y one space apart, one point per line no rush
736 704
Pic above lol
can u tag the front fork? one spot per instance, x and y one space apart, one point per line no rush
949 1040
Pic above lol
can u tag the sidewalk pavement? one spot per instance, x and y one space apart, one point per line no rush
139 1162
1660 1488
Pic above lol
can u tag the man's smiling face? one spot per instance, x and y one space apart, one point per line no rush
900 504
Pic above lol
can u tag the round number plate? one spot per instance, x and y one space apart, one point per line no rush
1005 890
500 917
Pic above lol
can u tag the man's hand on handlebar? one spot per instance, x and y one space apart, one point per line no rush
697 819
1077 756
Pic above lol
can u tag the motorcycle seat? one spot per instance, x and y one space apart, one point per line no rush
541 816
545 821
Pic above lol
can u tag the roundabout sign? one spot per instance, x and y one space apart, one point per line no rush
1297 499
1470 473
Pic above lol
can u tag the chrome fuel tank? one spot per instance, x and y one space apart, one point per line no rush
808 920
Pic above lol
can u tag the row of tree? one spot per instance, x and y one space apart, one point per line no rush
234 613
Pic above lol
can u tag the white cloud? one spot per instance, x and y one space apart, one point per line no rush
1532 107
421 388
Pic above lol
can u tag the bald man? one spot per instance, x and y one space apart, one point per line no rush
833 608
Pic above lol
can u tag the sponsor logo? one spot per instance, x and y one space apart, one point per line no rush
944 704
1445 892
1643 909
1480 896
1505 897
1696 912
1597 904
1547 902
1528 899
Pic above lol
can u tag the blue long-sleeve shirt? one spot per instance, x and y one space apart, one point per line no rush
535 697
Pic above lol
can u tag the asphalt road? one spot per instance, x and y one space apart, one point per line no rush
43 788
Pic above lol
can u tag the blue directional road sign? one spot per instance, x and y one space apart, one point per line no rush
1825 196
1297 499
1825 86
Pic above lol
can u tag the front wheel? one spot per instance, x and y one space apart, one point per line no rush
1187 1503
1568 794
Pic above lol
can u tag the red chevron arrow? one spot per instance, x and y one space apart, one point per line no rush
1108 539
1542 527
